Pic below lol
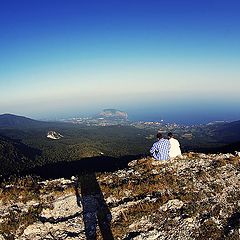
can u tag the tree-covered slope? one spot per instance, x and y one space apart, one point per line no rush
15 156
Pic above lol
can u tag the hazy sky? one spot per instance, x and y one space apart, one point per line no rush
158 58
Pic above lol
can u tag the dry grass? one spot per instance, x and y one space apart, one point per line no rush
163 184
20 190
23 190
18 221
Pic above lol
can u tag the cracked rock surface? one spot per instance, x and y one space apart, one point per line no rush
196 197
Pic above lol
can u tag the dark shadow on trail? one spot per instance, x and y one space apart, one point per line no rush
91 165
95 209
232 223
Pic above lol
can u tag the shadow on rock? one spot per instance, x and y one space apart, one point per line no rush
232 223
95 209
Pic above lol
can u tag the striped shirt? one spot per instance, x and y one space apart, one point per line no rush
160 149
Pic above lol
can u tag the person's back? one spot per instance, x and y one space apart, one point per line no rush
160 149
174 147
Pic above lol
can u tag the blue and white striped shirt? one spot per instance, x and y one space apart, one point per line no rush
160 149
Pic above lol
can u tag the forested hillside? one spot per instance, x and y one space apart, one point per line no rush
16 156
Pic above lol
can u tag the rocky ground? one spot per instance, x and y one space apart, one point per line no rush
196 197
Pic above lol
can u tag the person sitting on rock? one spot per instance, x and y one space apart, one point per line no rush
160 149
175 150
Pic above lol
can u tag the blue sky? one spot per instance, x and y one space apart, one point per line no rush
179 59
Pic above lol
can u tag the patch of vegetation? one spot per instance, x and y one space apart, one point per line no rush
16 191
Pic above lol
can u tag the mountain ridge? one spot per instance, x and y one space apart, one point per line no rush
192 198
11 120
228 132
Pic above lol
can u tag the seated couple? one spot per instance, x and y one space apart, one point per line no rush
165 149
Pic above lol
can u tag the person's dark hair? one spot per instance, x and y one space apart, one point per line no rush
159 135
170 134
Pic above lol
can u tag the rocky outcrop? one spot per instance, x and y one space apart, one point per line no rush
113 114
196 197
54 135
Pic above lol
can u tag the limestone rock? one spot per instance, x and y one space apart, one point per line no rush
195 197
